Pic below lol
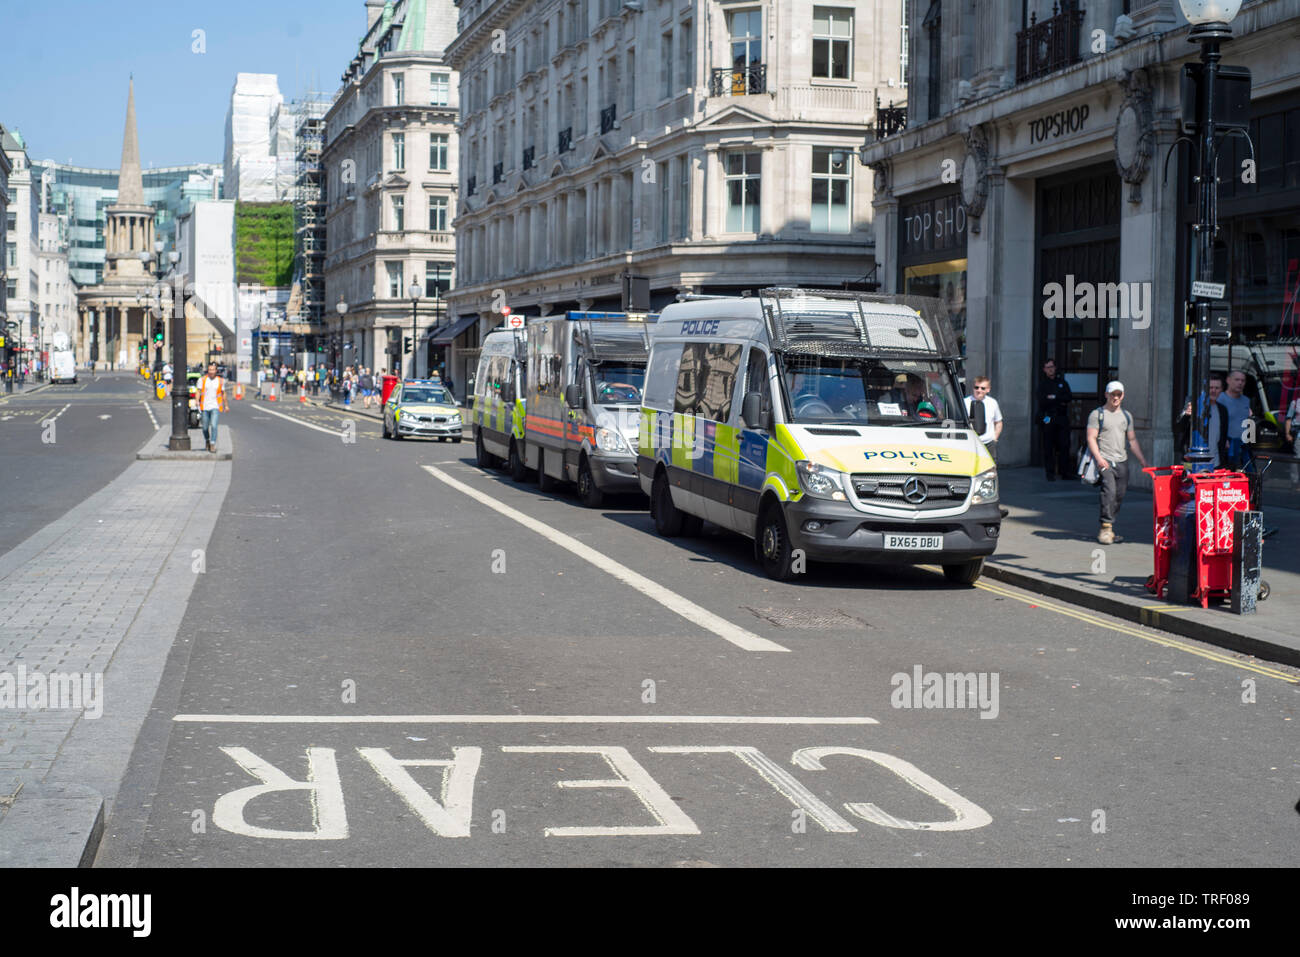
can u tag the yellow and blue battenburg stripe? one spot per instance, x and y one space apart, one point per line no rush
737 456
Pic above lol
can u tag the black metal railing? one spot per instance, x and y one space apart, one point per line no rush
565 142
471 185
1049 45
529 155
498 172
607 119
738 81
890 120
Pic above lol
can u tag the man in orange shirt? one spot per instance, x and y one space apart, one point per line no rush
212 402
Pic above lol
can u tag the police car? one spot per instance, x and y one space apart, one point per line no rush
422 407
823 425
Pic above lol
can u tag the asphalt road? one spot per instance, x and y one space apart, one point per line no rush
609 697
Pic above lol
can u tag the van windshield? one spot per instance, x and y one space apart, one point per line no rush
856 391
619 383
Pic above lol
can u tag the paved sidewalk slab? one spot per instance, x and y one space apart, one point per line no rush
156 447
1048 545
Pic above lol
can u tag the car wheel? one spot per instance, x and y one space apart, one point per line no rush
668 517
387 434
774 551
964 573
518 471
456 439
396 434
544 482
588 491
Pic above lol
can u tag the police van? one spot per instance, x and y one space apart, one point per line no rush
823 425
497 401
585 373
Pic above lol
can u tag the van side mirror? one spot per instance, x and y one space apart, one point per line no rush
751 410
573 395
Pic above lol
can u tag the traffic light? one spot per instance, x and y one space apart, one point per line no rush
406 344
157 332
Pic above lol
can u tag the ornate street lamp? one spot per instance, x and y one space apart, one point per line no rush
413 290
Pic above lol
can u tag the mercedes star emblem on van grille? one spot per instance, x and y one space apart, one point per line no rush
915 491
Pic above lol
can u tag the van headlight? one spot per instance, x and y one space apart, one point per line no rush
821 482
986 487
609 440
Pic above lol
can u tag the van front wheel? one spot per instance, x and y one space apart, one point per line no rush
964 573
668 517
774 551
518 471
588 491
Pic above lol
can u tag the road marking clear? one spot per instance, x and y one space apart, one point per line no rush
60 412
150 411
674 602
1154 639
524 719
290 418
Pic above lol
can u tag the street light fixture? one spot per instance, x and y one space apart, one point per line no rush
413 290
1210 21
342 308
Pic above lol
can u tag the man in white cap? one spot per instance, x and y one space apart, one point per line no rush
1108 428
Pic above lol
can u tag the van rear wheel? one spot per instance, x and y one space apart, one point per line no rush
774 551
668 517
482 457
518 471
964 573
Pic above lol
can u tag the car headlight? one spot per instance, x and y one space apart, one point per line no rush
821 482
609 440
986 487
454 418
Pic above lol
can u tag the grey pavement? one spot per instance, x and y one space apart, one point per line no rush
97 592
1048 545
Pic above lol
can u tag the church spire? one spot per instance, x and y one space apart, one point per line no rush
130 184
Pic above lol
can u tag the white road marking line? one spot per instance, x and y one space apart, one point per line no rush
150 411
520 719
60 412
669 599
290 418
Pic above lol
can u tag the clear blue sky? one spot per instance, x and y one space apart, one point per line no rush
67 66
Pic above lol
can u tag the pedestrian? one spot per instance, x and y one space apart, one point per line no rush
1054 398
451 388
1217 426
261 379
1291 432
347 386
211 402
367 387
1109 426
302 380
985 415
1237 404
167 378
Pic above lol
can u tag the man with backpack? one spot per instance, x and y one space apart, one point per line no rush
1109 426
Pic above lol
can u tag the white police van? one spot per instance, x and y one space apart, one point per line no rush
824 425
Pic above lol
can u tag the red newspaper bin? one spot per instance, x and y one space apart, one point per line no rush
1217 496
1167 495
390 382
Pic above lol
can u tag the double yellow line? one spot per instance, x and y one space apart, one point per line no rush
1083 616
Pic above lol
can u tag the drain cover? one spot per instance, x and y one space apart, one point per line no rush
807 617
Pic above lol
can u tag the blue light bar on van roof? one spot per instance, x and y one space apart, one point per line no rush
574 315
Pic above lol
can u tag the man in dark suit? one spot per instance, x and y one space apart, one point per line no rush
1054 419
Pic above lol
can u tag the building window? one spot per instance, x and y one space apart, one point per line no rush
832 47
399 151
683 195
665 205
904 39
666 65
11 254
743 192
395 290
438 151
399 89
831 190
686 54
931 24
438 213
439 89
399 213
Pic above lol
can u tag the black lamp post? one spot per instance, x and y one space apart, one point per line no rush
337 344
1209 20
180 437
413 290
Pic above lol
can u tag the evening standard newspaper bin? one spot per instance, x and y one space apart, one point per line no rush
1216 497
1167 495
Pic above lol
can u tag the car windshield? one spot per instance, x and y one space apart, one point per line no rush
856 391
619 383
430 394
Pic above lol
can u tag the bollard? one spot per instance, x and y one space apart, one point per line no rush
1247 560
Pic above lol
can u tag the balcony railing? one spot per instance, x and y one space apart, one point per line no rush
1047 46
890 120
471 185
498 172
738 81
529 155
607 119
565 142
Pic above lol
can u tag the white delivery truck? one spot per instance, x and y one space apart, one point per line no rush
63 366
823 425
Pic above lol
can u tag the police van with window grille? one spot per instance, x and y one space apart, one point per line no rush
497 401
824 425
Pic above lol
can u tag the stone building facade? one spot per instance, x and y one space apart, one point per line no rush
702 145
389 174
1034 159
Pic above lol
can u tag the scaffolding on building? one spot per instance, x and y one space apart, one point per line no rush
309 208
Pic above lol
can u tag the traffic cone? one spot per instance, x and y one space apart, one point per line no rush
239 390
302 398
